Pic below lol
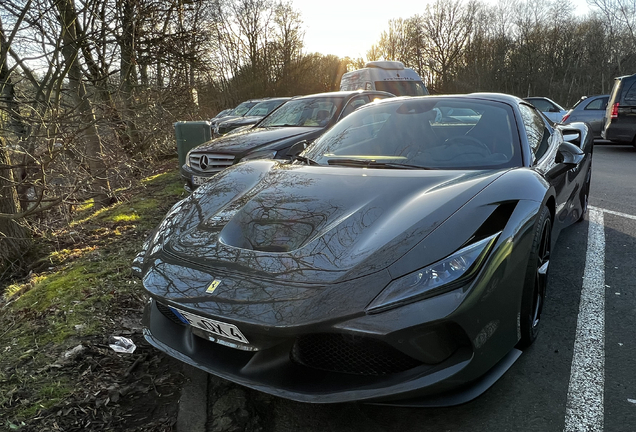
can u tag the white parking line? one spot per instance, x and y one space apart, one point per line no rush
612 212
584 409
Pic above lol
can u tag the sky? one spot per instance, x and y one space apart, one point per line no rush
349 28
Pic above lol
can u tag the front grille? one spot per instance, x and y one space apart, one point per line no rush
225 129
348 354
210 162
169 314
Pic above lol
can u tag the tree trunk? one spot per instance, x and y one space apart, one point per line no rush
14 237
9 105
128 73
83 106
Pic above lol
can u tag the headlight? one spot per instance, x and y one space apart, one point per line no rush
187 159
441 276
260 154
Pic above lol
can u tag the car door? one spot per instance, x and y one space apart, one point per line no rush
544 142
593 113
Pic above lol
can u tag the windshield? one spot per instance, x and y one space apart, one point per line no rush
429 133
304 112
402 88
243 108
264 108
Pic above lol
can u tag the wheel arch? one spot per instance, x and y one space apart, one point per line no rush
551 205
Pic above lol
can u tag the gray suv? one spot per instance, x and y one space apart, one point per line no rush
620 116
591 110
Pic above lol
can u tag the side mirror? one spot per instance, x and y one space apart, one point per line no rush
568 156
297 148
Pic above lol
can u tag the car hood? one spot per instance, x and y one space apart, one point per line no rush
310 225
241 121
218 120
254 138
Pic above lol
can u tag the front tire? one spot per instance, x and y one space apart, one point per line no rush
533 296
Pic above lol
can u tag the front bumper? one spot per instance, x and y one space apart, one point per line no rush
450 366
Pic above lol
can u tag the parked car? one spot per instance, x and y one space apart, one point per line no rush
223 113
253 116
302 118
239 111
548 107
388 76
589 109
620 116
398 259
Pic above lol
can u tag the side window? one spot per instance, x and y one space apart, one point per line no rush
597 104
536 130
353 104
630 93
543 105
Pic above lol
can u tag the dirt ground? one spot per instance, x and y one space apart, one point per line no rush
57 370
113 391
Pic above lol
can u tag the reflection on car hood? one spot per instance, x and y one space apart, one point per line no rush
241 121
306 224
253 138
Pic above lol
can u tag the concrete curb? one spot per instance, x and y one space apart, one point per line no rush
193 403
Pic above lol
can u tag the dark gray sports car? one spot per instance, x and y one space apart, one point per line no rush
402 258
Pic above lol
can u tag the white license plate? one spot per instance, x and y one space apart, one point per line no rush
198 181
217 328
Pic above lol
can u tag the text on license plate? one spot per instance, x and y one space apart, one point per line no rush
198 181
218 328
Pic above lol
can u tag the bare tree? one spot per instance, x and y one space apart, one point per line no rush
446 29
620 16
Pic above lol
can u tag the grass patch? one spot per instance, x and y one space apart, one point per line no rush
81 292
126 218
48 395
143 207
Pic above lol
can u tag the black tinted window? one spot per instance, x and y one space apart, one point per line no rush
630 92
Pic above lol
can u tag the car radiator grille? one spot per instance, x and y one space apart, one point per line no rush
169 314
225 129
210 163
352 355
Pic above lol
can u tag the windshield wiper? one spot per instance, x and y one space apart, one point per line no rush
370 163
306 160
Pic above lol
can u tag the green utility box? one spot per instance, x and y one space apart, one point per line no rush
190 134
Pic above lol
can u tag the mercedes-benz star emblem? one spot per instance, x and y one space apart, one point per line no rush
204 162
